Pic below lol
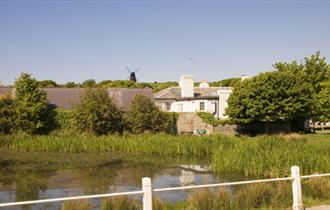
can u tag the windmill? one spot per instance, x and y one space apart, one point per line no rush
132 76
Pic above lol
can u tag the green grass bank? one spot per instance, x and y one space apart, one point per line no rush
251 156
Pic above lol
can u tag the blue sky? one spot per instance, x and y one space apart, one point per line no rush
78 40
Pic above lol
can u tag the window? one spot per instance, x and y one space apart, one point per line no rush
202 106
168 106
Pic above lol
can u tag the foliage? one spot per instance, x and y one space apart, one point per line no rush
47 84
7 114
143 115
64 119
97 114
89 83
208 118
323 103
158 86
230 82
270 156
314 71
257 156
269 97
32 112
172 123
292 93
71 85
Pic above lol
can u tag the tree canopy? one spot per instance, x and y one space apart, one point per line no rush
292 93
143 115
97 114
32 113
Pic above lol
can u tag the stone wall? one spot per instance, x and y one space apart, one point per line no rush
188 121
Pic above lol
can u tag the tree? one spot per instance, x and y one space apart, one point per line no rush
143 115
271 97
230 82
97 114
89 83
323 103
32 113
7 114
47 84
71 85
315 72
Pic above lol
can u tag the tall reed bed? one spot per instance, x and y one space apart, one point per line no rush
257 156
154 144
271 156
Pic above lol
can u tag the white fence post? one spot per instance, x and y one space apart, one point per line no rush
147 193
296 188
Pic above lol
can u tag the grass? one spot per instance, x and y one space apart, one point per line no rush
251 156
271 156
267 196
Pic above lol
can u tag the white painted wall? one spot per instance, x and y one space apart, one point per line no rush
224 94
191 106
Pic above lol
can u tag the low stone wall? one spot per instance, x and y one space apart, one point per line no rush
187 122
226 129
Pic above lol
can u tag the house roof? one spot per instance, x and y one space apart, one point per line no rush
122 97
63 97
6 91
175 93
68 97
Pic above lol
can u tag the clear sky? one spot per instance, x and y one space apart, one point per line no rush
78 40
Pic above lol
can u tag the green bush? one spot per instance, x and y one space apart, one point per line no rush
33 115
64 119
7 115
143 115
97 114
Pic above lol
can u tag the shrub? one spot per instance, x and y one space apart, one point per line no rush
7 115
32 112
64 119
97 114
143 115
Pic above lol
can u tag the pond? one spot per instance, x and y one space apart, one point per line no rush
31 176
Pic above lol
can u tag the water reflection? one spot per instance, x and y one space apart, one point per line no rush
108 176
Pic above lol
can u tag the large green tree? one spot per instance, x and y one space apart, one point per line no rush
315 71
270 97
143 115
294 92
97 114
323 103
32 113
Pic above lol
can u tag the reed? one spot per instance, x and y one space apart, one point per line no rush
269 156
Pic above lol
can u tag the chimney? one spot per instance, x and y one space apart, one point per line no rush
244 77
204 84
186 84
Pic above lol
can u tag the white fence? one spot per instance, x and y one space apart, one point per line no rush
147 190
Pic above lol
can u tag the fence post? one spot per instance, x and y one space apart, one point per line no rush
296 188
147 193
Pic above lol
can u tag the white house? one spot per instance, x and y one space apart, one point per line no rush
187 98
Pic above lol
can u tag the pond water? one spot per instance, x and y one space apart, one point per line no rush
39 176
